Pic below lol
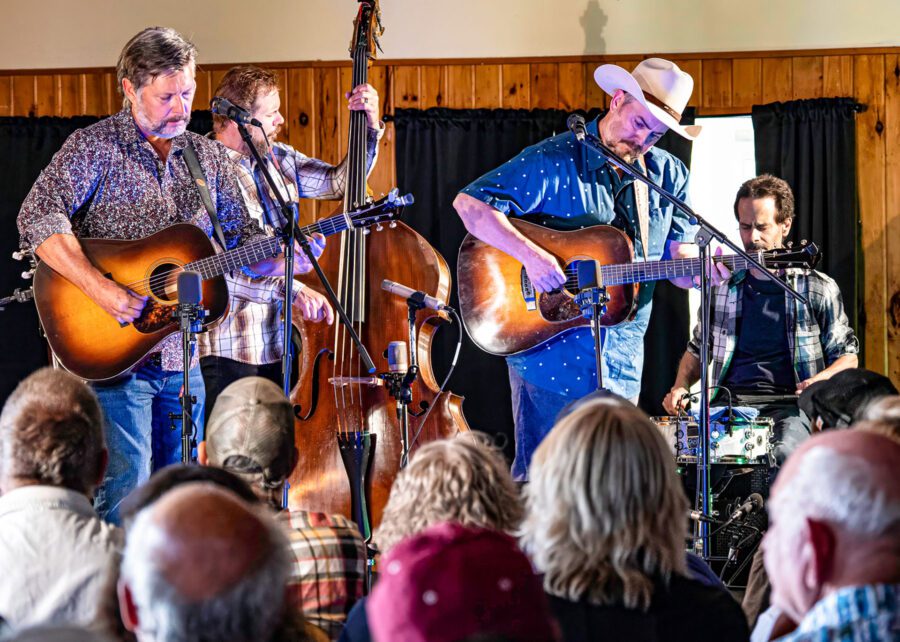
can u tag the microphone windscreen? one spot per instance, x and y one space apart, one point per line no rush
397 357
189 288
587 274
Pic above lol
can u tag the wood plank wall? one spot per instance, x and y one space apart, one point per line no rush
726 83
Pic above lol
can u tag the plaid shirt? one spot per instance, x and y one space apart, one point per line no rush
252 332
853 614
329 569
821 334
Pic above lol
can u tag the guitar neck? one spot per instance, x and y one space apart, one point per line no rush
663 270
256 251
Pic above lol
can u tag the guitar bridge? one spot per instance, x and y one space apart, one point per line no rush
528 292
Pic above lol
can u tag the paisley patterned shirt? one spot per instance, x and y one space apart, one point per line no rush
107 181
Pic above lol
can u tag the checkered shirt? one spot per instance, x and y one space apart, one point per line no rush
252 332
329 567
821 334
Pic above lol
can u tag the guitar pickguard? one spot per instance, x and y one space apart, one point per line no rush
558 307
154 317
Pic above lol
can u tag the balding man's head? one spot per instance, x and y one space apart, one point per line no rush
835 518
51 433
201 564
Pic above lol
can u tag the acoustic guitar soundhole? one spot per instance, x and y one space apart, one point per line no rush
157 313
557 307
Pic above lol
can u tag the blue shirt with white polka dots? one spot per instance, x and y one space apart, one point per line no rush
562 184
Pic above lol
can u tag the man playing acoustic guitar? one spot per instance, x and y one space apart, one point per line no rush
126 177
566 186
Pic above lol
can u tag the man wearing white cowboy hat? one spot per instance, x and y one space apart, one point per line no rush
567 186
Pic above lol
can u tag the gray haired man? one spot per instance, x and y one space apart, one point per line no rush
126 177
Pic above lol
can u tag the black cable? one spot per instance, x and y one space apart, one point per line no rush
459 343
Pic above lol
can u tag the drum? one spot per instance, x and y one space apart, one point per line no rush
738 442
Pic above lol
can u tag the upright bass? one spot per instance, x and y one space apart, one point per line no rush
348 432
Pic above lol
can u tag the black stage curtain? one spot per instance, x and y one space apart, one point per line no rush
28 144
439 151
812 145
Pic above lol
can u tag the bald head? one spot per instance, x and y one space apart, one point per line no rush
200 557
834 518
204 540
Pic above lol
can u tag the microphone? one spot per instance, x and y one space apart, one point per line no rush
396 357
189 290
408 293
587 275
698 516
575 123
225 107
752 504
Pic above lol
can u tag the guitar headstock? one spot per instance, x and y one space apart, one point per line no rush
367 30
806 256
385 210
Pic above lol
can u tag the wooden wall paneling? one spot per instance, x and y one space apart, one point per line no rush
488 87
746 83
869 81
404 87
593 95
515 88
111 91
837 75
383 176
776 79
203 94
301 118
432 86
6 103
69 96
807 77
571 86
215 76
544 85
46 92
328 102
23 95
460 87
695 69
95 94
284 95
892 213
716 85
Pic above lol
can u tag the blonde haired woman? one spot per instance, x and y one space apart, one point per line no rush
462 480
606 525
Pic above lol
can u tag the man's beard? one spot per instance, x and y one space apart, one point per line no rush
158 128
262 142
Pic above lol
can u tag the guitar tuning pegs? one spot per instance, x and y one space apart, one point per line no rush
27 274
392 224
804 243
378 227
366 231
18 255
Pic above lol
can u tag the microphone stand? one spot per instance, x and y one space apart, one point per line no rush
190 317
703 238
289 235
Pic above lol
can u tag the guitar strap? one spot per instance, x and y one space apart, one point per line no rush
642 203
190 157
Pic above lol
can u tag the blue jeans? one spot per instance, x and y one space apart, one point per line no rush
534 413
139 433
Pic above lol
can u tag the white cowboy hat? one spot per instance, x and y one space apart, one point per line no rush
659 85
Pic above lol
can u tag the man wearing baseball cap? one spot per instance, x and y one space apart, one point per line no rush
563 185
250 433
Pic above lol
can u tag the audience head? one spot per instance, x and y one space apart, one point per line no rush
250 433
463 479
840 400
882 416
605 507
202 564
451 582
834 518
51 433
53 633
